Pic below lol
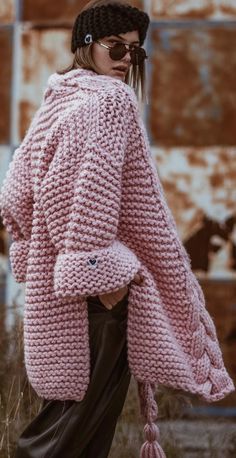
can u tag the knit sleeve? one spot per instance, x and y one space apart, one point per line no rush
90 260
16 200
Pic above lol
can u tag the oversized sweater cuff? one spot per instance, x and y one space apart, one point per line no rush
94 272
18 255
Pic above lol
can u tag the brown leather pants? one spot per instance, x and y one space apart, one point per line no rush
86 429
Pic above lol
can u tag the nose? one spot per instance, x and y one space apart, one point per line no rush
127 57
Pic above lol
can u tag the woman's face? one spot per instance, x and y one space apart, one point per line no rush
104 63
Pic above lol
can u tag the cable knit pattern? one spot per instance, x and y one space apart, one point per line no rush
94 213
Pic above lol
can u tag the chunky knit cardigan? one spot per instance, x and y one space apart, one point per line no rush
86 211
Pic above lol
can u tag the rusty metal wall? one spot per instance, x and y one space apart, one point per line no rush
191 119
201 9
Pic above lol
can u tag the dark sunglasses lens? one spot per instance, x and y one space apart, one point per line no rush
138 55
118 51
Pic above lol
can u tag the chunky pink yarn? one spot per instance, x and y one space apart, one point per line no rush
86 211
151 448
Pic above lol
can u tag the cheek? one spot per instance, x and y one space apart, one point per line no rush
95 53
101 57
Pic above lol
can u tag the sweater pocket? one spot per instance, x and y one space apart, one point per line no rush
18 255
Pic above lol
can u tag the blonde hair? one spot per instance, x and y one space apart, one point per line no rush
135 77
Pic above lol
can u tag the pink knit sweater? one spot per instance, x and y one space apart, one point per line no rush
86 210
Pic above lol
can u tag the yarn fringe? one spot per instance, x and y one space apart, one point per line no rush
151 448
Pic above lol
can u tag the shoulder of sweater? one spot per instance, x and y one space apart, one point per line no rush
113 85
102 87
105 88
119 97
118 90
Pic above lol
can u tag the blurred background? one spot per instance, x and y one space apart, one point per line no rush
191 123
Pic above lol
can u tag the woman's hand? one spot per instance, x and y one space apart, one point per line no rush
111 299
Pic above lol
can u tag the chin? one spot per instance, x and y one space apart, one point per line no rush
119 77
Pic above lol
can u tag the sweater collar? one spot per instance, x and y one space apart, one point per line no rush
80 78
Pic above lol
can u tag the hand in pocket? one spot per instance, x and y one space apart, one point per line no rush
111 299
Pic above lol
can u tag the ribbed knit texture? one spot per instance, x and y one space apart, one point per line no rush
84 204
107 20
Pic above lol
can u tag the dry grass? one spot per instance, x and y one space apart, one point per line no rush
18 402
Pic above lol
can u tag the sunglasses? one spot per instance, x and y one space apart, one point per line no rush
119 50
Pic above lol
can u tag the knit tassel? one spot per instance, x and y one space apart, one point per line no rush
151 448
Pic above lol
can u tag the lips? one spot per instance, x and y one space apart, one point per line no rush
121 69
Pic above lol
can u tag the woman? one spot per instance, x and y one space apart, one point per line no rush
109 287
